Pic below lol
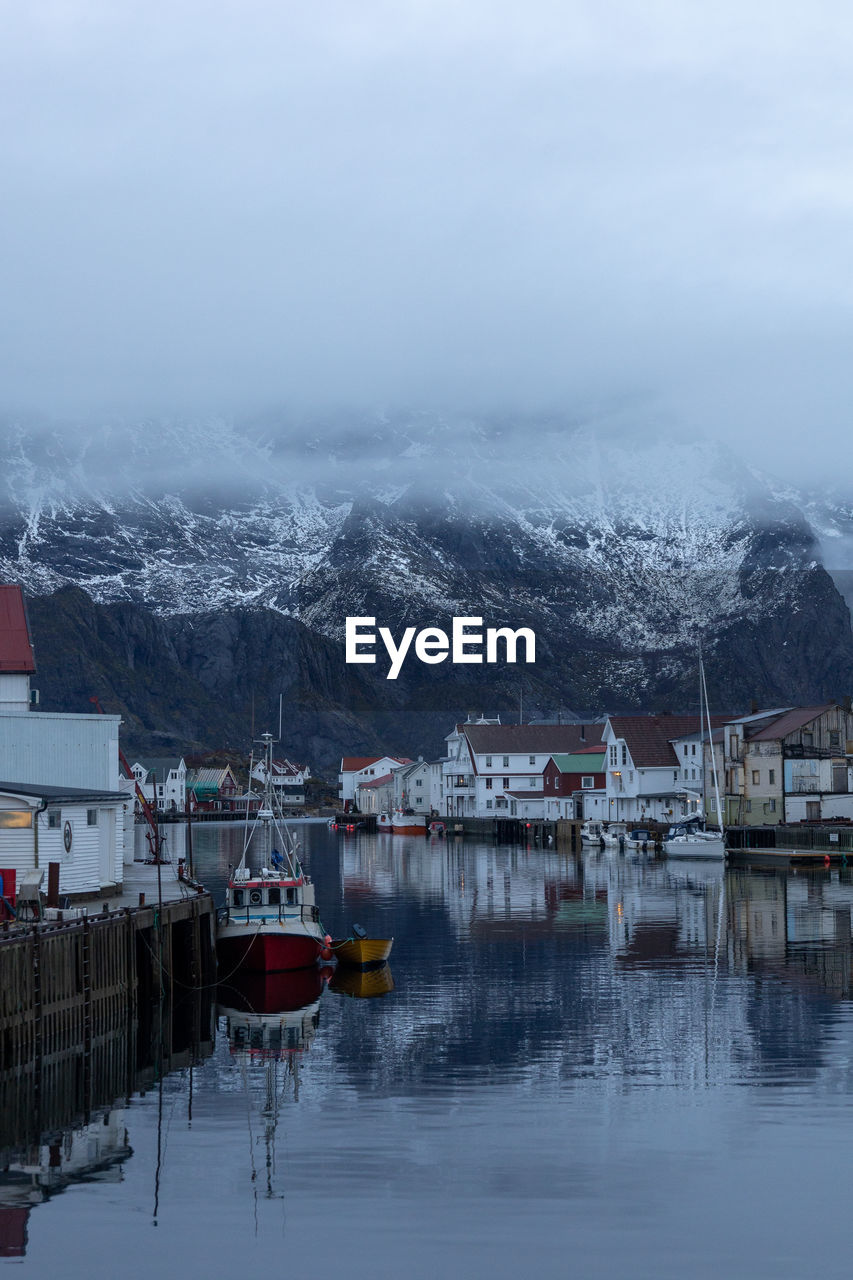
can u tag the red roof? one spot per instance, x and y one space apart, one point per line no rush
648 737
352 764
16 650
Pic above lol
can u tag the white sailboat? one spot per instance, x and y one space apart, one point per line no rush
699 843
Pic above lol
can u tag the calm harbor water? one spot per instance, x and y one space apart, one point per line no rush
586 1066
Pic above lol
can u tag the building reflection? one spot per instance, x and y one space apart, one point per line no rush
59 1122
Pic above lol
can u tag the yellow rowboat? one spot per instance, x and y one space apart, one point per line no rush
363 983
362 951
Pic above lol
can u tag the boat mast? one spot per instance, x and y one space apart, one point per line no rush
702 746
713 753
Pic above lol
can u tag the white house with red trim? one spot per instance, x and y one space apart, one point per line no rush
357 769
288 780
496 770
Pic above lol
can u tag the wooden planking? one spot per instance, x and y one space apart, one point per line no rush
69 986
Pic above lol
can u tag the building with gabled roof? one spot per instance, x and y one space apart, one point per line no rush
574 784
788 764
654 767
487 761
17 659
168 774
357 769
213 789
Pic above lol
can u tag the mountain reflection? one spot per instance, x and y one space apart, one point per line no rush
525 969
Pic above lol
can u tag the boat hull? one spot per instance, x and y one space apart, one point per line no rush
409 824
267 952
362 951
693 849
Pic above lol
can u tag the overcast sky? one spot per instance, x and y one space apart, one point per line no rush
526 204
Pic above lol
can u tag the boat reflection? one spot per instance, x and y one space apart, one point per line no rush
272 1015
363 983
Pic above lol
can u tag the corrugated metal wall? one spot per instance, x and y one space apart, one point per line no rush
45 748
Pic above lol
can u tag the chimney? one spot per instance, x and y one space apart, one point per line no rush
753 707
583 733
847 703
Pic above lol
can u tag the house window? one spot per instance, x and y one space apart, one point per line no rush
771 806
534 782
733 745
488 784
756 777
419 782
693 749
91 817
488 762
693 772
488 804
54 819
587 782
531 759
631 776
506 782
808 739
834 739
772 777
812 810
675 776
624 755
749 806
613 760
685 748
15 818
506 762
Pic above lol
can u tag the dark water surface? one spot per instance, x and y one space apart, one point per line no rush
587 1066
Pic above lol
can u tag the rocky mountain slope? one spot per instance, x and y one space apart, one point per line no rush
219 567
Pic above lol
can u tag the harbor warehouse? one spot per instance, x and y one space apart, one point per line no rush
60 799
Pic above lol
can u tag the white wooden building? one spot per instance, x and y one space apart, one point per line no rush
496 770
418 786
168 774
81 829
357 769
60 799
288 780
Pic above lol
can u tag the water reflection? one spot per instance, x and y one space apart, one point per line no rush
363 984
272 1015
548 1017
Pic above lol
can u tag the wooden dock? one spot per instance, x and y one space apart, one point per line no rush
74 995
799 843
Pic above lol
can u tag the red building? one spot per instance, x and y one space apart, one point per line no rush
568 777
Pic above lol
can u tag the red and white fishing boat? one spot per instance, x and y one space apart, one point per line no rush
405 822
270 920
384 823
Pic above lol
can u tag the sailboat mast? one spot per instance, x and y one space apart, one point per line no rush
702 745
713 753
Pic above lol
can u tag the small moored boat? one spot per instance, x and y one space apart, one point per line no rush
360 950
408 823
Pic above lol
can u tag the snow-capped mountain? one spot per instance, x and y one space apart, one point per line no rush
619 549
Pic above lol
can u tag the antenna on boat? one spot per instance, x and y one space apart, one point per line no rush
280 697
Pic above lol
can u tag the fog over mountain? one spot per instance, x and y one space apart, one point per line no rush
491 208
537 312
